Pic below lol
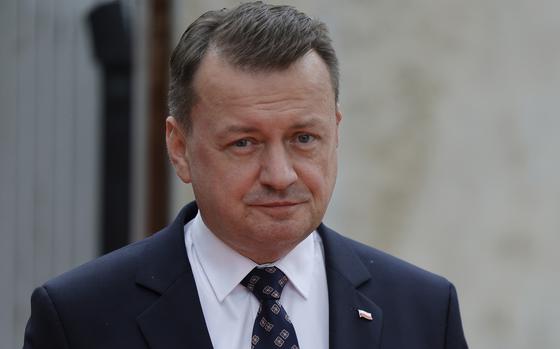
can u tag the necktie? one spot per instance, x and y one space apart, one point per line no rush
272 328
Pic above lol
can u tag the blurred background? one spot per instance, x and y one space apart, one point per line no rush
448 155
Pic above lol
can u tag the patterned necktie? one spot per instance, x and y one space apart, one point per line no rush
272 328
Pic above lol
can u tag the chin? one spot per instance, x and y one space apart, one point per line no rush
285 232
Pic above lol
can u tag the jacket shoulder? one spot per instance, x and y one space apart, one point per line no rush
388 267
387 272
418 306
114 266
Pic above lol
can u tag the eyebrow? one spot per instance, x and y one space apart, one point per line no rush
236 129
250 129
314 121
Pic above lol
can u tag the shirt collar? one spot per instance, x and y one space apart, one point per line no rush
298 264
215 255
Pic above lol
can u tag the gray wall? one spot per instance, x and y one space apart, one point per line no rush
50 107
449 149
49 150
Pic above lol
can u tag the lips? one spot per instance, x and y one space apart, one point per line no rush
277 204
278 210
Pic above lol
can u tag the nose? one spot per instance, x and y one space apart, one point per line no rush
277 170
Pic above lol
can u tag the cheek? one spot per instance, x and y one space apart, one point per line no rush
328 174
318 177
224 176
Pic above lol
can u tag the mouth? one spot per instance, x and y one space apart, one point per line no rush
278 209
274 204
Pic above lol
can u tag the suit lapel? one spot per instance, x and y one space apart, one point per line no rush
175 319
346 274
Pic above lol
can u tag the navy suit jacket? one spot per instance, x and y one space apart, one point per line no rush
144 296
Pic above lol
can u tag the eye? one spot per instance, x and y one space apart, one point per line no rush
305 138
242 143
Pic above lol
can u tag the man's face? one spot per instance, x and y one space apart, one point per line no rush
261 154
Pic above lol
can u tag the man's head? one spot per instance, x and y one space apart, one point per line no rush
252 37
259 146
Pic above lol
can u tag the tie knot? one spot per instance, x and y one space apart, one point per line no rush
265 283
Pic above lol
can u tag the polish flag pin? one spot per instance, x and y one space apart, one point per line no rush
364 315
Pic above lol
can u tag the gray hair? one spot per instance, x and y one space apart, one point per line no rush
252 36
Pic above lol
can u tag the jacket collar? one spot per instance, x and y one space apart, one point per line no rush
175 319
346 275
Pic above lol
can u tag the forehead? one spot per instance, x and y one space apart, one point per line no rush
218 82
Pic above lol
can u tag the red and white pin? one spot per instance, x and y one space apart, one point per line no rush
362 314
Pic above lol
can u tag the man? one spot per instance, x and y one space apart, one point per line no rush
254 99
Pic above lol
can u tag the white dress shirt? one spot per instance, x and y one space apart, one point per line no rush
230 309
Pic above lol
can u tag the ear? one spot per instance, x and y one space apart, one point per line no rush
177 148
338 119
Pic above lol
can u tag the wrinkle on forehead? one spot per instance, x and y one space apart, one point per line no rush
218 82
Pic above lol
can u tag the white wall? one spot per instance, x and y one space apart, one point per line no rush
449 144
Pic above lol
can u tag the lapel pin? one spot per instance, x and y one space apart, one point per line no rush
364 315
